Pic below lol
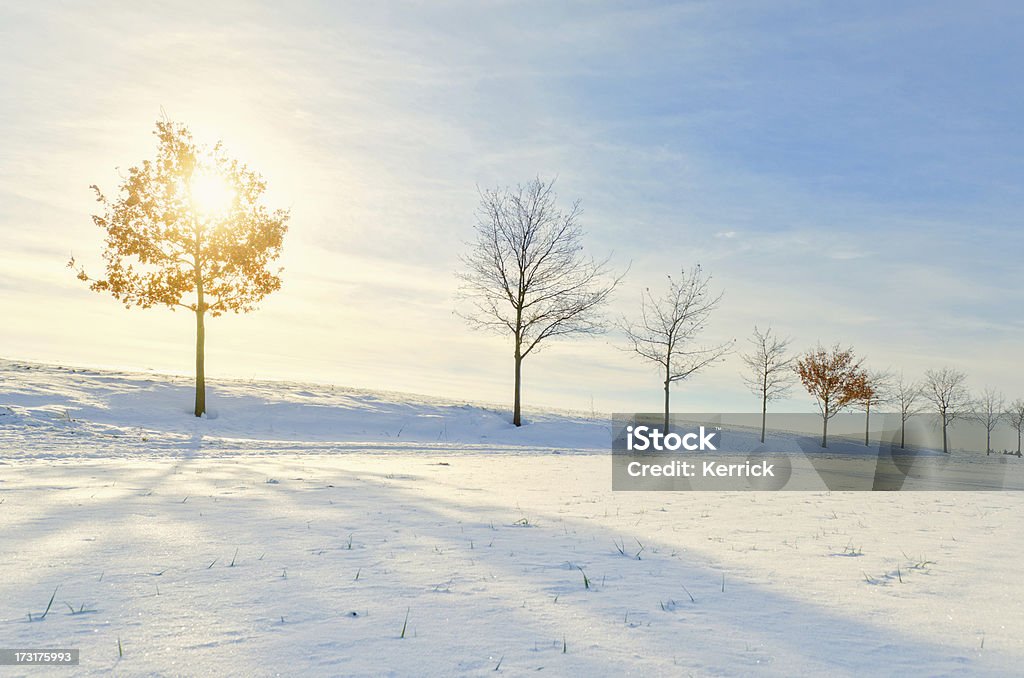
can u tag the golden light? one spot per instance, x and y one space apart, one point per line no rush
211 193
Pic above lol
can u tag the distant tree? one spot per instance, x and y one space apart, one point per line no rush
834 378
770 374
989 410
945 390
1016 418
526 275
667 330
876 391
907 396
188 230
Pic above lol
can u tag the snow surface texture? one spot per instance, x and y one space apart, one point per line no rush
65 411
300 529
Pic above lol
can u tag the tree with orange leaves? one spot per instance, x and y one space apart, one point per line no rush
188 230
877 390
835 378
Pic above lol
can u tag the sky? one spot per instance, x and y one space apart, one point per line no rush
847 172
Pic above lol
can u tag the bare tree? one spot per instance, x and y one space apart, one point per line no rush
945 390
771 369
907 396
526 274
834 377
1016 418
666 333
877 390
989 410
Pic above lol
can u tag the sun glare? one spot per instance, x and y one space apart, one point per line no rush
211 194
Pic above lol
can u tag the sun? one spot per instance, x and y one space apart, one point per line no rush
211 193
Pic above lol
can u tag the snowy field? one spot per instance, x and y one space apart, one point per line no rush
301 529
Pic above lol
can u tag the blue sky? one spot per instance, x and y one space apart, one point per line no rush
847 172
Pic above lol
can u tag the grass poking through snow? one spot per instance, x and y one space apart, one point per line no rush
405 624
47 610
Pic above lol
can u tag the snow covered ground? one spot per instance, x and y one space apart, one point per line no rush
301 528
45 407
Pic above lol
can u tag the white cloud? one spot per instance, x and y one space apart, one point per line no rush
376 125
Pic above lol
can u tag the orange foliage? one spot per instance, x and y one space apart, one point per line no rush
163 249
834 378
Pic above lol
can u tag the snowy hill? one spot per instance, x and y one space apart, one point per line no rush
305 530
61 408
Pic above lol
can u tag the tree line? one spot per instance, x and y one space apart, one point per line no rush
836 379
188 229
526 277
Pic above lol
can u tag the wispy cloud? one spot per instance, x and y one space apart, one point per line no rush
845 176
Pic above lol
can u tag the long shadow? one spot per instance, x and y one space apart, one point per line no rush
817 635
808 636
317 607
820 637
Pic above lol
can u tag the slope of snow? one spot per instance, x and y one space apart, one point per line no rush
294 540
89 412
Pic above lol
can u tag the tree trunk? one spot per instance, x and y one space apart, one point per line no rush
764 399
824 428
200 362
764 416
945 444
867 424
517 418
668 384
200 409
1018 442
988 441
903 434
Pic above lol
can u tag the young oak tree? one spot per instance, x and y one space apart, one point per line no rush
946 391
907 396
1016 419
526 274
834 378
771 369
667 330
989 410
188 230
876 391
